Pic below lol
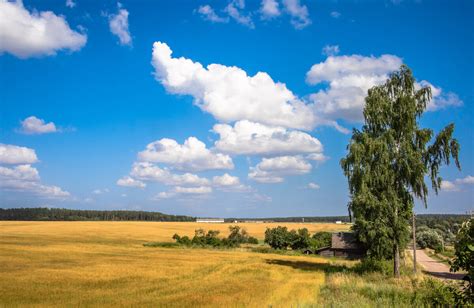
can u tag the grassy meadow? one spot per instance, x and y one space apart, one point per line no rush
105 263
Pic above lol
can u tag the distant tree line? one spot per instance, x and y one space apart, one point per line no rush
56 214
295 219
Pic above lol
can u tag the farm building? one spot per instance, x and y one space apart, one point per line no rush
343 244
210 220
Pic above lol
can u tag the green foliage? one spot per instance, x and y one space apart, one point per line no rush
281 238
299 239
321 239
429 239
252 240
372 265
388 160
277 238
464 260
211 238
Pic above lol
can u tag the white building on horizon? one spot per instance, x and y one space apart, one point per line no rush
210 220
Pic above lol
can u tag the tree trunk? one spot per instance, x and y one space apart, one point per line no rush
396 261
414 242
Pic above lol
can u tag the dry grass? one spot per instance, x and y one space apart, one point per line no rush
105 264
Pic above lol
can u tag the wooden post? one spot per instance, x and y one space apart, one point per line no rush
414 242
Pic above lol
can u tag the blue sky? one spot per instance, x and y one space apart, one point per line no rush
94 115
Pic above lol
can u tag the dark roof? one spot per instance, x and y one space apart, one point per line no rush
344 240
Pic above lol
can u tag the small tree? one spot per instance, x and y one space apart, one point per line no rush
464 258
277 237
388 161
299 239
321 239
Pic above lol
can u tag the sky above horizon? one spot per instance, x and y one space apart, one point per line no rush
217 108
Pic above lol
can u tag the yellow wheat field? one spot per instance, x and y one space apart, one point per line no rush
105 264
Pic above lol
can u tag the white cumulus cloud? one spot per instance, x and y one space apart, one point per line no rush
130 182
118 24
23 177
348 79
24 34
227 182
192 155
313 186
146 171
235 10
298 12
269 9
34 126
229 94
273 170
247 137
13 154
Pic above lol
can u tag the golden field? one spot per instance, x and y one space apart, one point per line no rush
106 264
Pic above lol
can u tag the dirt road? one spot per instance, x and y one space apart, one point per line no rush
434 267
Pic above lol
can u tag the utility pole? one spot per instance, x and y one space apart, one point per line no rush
414 242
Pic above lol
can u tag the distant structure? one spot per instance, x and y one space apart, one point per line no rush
343 244
338 222
210 220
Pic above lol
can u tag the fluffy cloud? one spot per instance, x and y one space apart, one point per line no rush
247 137
227 182
299 13
184 191
23 177
457 184
24 34
149 172
130 182
20 172
448 186
192 155
229 94
350 77
467 180
12 154
34 126
313 186
440 100
272 170
208 13
269 9
330 50
335 14
193 190
118 24
235 10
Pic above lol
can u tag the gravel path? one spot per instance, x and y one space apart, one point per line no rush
434 267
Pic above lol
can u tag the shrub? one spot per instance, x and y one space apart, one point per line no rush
371 265
463 260
430 239
299 239
252 240
320 240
